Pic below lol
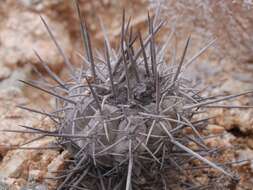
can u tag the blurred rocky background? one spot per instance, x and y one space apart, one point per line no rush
225 68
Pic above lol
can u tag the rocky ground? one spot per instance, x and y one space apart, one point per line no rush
226 68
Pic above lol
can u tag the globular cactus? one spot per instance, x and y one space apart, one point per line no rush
123 119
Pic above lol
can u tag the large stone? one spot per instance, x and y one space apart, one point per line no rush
234 86
5 72
40 4
16 166
55 167
19 165
229 21
236 118
245 155
11 85
16 163
23 32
